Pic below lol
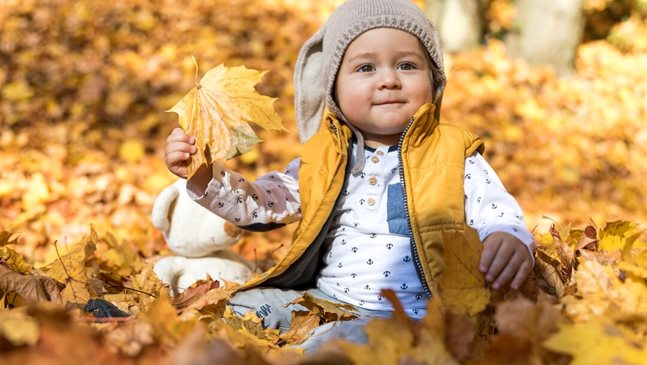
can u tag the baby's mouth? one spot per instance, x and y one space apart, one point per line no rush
388 102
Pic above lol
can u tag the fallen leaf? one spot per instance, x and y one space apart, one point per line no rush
421 344
564 252
597 342
521 317
459 336
14 260
196 349
33 288
300 326
131 151
217 112
167 327
193 293
18 328
130 338
328 311
73 269
601 293
461 288
618 236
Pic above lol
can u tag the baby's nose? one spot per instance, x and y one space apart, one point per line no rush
389 79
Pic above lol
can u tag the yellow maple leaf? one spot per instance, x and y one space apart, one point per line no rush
461 287
73 269
10 257
217 112
597 342
618 235
167 327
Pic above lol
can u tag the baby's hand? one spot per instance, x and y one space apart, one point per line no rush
505 261
179 147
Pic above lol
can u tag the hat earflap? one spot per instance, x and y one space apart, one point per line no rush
309 88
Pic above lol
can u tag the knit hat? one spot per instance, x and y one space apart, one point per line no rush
321 55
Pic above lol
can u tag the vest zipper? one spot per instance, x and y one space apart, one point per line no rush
414 250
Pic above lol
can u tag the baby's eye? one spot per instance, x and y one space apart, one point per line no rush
406 66
365 68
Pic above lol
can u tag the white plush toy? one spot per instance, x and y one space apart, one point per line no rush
199 237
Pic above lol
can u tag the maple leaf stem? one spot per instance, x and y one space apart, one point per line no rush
133 289
255 260
195 62
65 269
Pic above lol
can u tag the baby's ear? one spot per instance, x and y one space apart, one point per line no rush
309 88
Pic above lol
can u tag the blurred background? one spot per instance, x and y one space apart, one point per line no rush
557 89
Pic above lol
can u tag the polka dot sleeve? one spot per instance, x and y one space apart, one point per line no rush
273 198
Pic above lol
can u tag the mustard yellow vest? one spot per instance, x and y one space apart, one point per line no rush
432 157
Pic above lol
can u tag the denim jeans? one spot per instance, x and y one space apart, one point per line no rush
270 304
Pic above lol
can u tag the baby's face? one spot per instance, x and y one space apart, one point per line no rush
383 79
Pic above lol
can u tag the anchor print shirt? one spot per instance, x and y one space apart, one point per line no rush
368 246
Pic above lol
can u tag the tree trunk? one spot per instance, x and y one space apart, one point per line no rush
459 22
549 32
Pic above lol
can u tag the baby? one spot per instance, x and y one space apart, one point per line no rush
380 187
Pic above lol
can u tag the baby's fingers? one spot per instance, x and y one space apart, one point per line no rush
508 272
521 275
178 135
490 248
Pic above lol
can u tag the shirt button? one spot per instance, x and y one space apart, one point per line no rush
374 159
371 202
379 153
372 180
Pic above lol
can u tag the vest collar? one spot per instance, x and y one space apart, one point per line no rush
422 126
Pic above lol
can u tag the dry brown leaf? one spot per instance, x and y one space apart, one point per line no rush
218 111
215 298
588 240
196 349
459 336
193 293
131 337
300 326
33 288
7 238
528 324
564 252
328 311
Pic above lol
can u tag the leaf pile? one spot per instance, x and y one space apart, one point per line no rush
590 289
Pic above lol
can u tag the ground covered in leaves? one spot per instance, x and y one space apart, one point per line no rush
83 89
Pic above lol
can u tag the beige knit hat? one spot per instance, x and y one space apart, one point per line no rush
321 55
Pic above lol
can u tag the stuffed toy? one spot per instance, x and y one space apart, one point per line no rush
200 239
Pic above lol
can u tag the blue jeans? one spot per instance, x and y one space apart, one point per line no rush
270 304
